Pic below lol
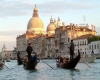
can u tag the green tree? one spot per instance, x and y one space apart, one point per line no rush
93 38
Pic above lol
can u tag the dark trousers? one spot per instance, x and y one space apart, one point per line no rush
29 56
71 55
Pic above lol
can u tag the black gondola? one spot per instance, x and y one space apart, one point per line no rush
71 64
19 59
31 64
1 66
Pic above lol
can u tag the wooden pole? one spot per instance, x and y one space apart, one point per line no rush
47 64
6 66
86 63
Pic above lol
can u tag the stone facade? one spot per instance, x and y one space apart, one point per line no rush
57 39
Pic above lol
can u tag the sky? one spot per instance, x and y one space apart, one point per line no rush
15 14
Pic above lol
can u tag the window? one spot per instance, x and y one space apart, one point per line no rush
89 46
92 47
78 44
68 39
83 42
97 46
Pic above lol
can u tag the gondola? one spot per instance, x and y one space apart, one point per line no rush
1 65
31 64
8 60
19 59
71 64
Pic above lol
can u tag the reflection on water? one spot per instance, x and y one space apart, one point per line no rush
45 72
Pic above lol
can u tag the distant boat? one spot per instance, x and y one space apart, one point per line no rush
71 64
8 60
1 65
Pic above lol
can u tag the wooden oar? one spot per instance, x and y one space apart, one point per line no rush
47 64
86 63
6 66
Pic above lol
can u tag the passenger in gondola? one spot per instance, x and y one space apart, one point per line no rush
3 60
36 59
67 59
64 60
29 50
25 59
71 50
61 59
58 59
32 57
0 61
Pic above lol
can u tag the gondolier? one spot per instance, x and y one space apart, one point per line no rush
71 50
29 51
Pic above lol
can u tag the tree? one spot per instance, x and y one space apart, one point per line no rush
93 38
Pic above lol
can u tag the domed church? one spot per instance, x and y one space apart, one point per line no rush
35 27
44 43
35 24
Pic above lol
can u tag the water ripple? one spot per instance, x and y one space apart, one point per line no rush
44 72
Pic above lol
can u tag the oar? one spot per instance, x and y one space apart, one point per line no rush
6 66
47 64
86 63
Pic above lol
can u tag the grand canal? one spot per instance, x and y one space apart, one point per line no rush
44 72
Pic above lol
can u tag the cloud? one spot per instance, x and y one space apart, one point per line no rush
9 35
21 8
9 38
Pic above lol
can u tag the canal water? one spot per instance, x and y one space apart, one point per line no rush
44 72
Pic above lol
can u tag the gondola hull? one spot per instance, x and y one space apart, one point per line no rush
71 64
30 65
19 61
1 66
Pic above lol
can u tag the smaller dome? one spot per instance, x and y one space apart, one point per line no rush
51 27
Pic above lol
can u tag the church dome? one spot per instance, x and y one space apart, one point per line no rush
51 27
35 22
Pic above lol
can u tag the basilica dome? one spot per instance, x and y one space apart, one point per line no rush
35 22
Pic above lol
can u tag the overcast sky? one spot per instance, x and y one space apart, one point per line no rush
15 14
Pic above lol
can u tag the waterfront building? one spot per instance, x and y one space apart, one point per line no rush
81 43
95 47
8 53
35 29
50 39
57 36
50 46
